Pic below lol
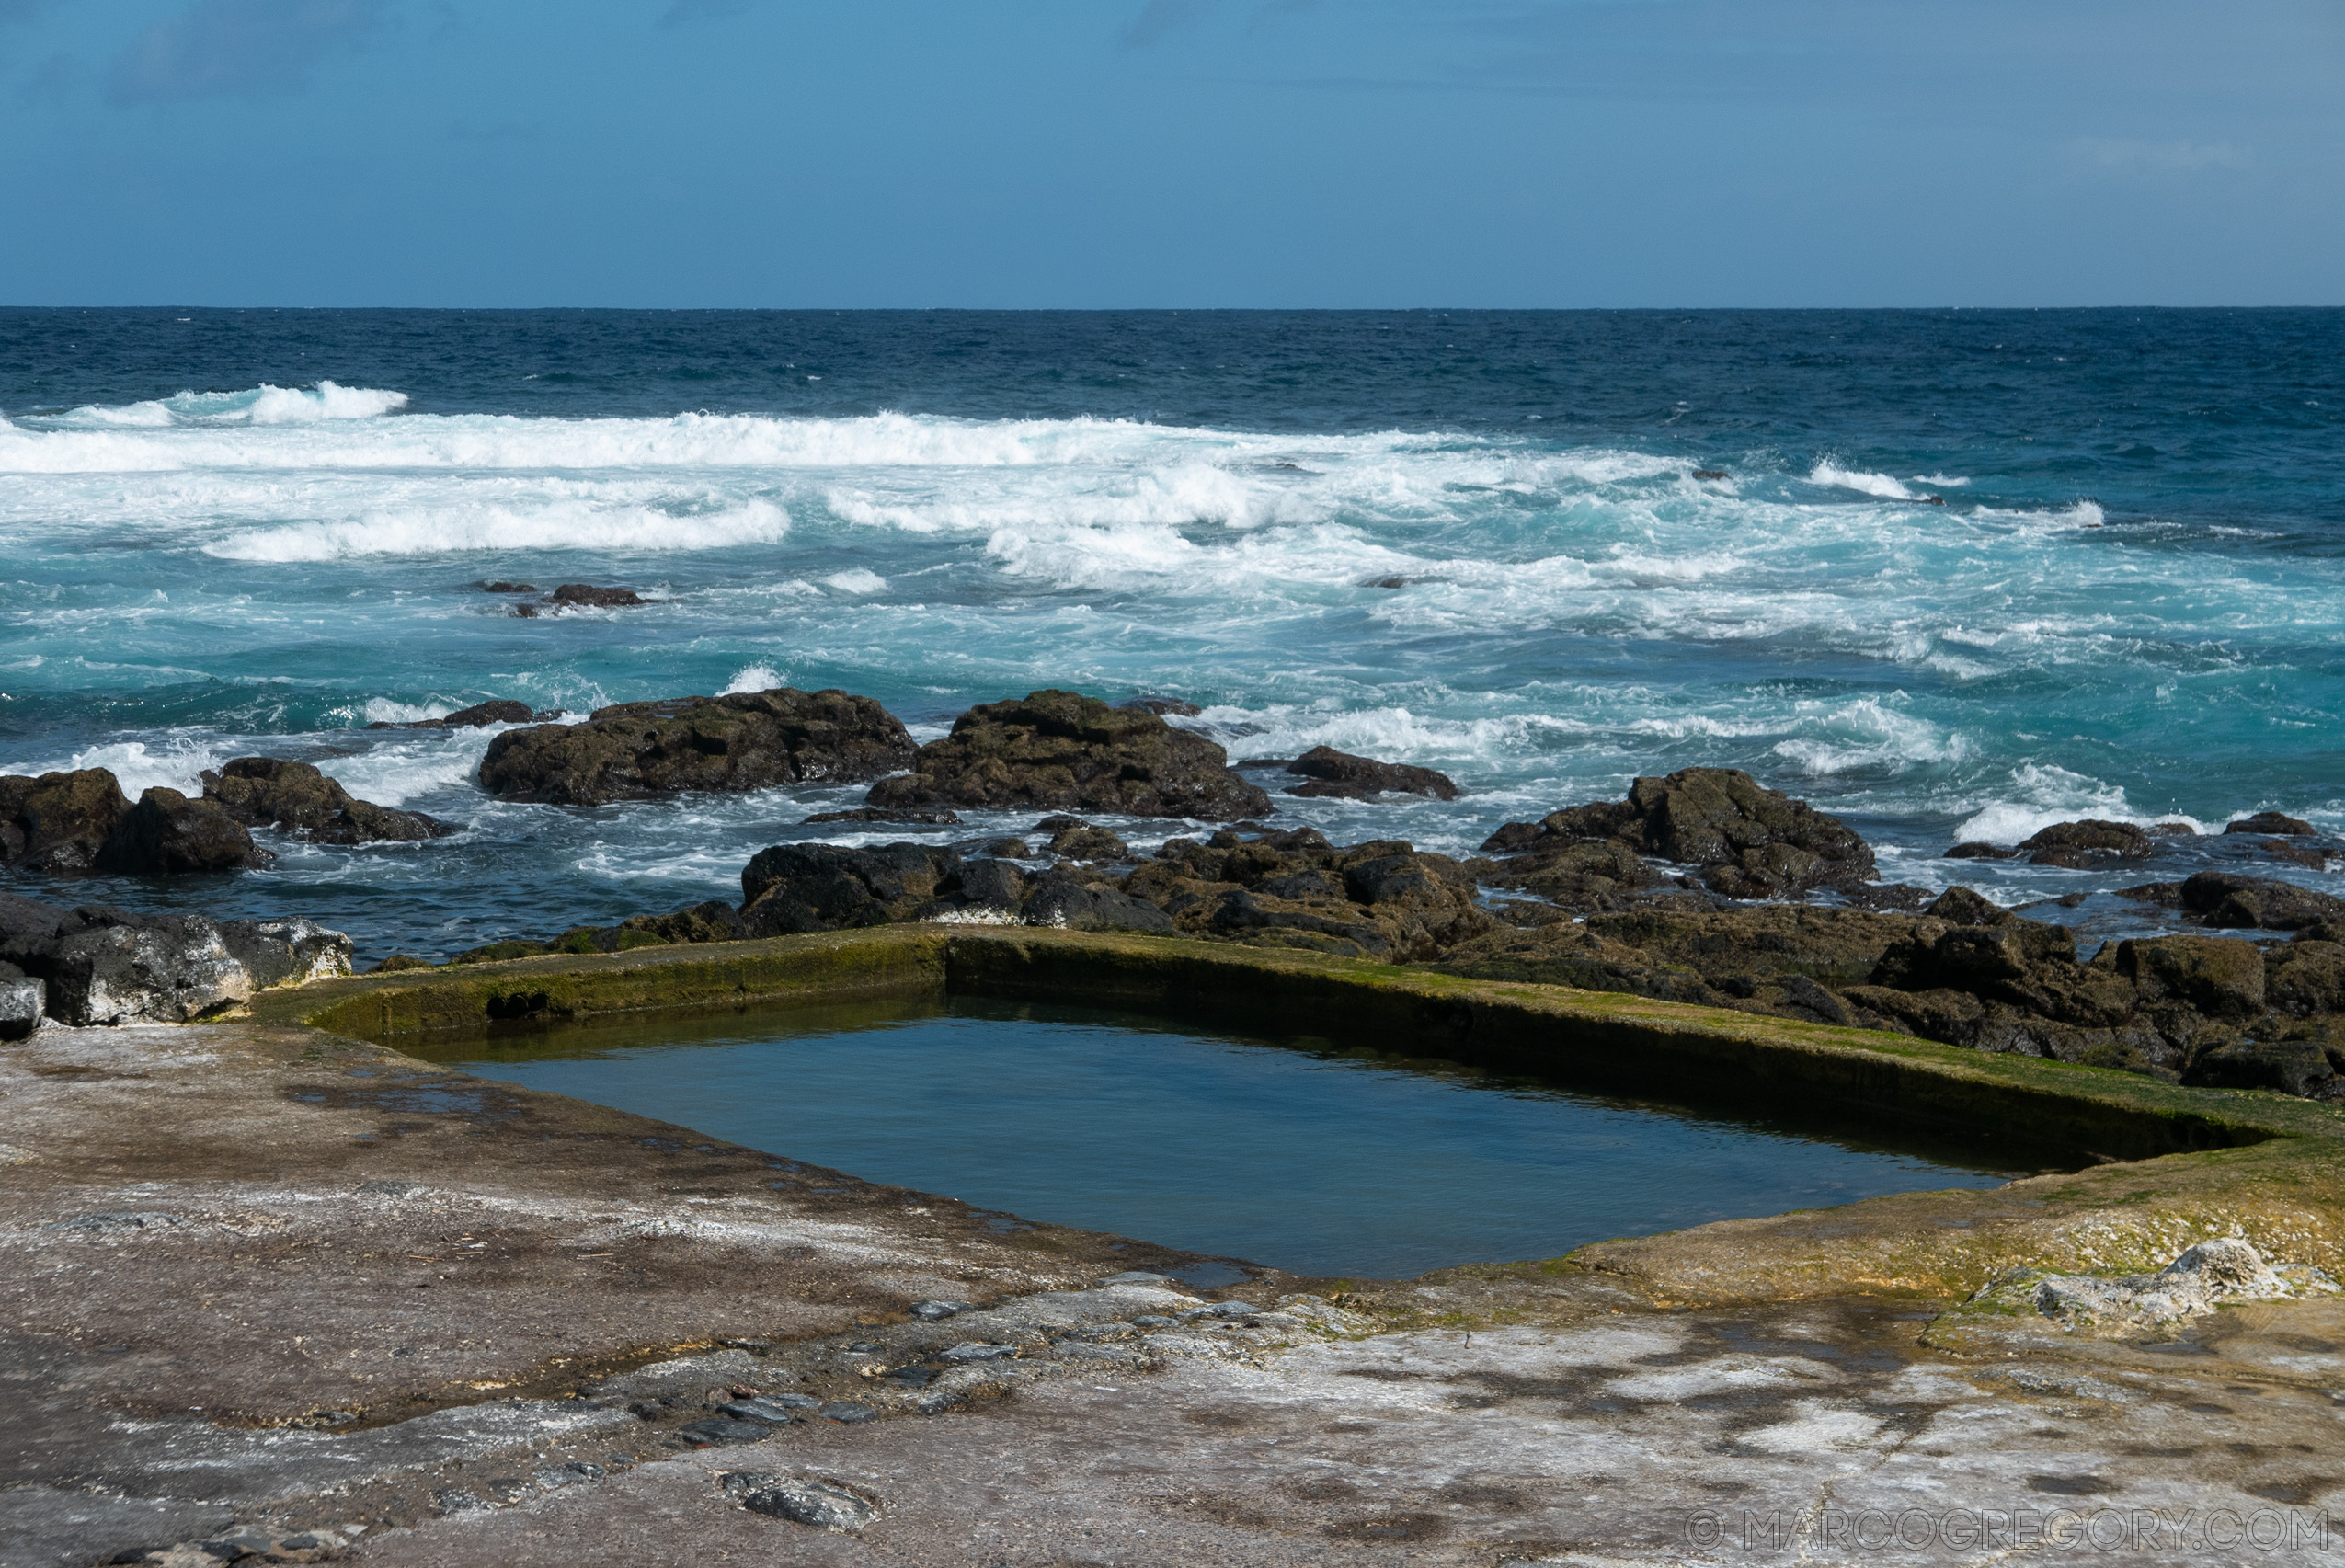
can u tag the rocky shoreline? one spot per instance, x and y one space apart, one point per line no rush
1702 887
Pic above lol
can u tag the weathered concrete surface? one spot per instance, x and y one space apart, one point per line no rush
1802 1434
208 1232
258 1277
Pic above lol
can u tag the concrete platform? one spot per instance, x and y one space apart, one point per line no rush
293 1293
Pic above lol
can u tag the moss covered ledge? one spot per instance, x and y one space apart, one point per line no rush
2176 1163
1592 1039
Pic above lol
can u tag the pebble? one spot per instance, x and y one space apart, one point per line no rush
723 1429
934 1312
962 1355
822 1504
1224 1309
849 1411
776 1412
456 1500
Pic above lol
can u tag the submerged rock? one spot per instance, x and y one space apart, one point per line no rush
1747 841
1344 776
587 596
295 798
743 742
1060 750
902 817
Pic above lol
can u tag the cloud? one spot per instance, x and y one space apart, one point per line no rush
236 48
686 11
2166 158
1159 17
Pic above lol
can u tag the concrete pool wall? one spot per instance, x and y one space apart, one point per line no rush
1584 1039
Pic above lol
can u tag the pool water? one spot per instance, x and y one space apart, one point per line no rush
1290 1152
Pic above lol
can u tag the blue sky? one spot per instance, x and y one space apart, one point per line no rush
1178 153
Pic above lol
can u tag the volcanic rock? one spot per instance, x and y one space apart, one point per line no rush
2219 979
744 741
286 952
22 1002
2090 843
875 813
1059 751
295 798
1747 841
2291 1067
1293 889
794 888
2305 979
2248 903
1079 841
1060 900
166 833
112 967
1717 958
482 714
1178 707
1341 776
2273 822
59 822
582 595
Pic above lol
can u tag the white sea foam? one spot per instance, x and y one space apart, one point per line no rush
383 710
174 762
2040 794
755 678
1866 733
857 580
1828 472
576 526
258 405
403 771
1940 481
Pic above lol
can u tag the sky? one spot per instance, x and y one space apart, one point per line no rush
1173 152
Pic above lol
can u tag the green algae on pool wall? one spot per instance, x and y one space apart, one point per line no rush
566 987
2235 1161
1595 1040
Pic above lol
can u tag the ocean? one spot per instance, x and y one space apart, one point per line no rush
1966 573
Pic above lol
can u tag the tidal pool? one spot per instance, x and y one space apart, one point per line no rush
1288 1150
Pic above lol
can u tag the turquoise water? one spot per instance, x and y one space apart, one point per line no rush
224 532
1315 1161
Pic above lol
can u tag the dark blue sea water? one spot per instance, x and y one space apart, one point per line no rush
230 531
1313 1160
